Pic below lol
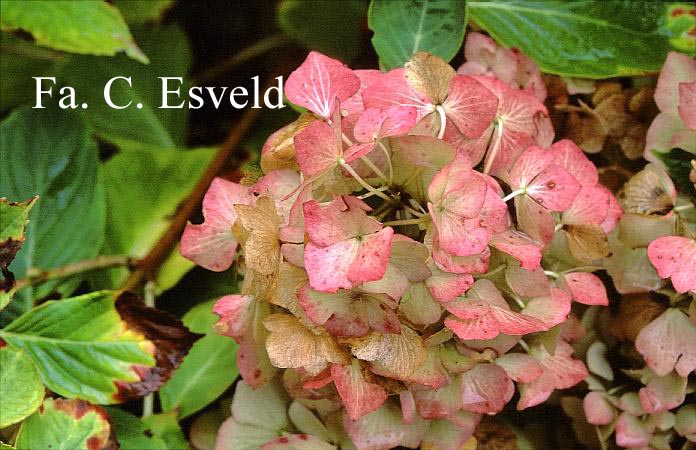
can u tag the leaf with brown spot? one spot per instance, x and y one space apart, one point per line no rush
429 75
291 345
66 424
587 242
106 347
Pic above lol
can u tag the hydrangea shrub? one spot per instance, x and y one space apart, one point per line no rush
412 252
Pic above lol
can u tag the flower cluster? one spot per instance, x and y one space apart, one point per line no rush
410 254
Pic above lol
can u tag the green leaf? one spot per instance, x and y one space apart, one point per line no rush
144 186
49 153
21 389
141 11
166 427
200 318
404 27
587 39
678 163
103 347
13 220
63 424
14 217
151 124
207 371
333 28
94 28
132 433
20 62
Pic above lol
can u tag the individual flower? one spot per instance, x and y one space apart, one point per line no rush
540 187
666 343
346 247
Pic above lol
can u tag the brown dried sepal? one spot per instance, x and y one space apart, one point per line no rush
587 242
429 75
635 312
279 149
170 338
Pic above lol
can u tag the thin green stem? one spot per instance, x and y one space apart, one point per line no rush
389 161
362 182
417 221
100 262
374 168
149 299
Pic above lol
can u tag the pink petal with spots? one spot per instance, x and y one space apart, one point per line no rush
590 207
470 106
318 82
318 148
392 89
327 267
297 442
486 389
534 219
687 103
668 343
359 396
598 410
569 156
375 124
586 288
678 68
520 246
457 235
235 313
675 257
631 432
372 257
552 309
211 244
520 367
614 214
547 183
523 121
344 218
494 212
